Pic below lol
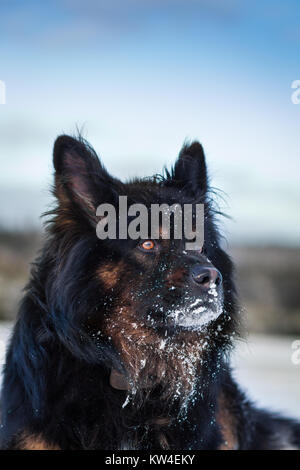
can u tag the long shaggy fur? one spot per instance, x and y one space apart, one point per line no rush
97 311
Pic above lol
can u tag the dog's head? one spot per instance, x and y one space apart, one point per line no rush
144 298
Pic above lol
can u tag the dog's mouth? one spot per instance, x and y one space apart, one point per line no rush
192 313
196 317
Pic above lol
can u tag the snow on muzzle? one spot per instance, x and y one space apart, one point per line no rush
197 313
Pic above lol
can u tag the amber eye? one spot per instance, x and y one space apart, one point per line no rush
147 245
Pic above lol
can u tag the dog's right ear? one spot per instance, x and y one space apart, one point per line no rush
81 182
190 170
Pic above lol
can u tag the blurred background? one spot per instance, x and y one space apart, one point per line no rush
138 79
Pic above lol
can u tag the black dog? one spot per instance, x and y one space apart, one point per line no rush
111 349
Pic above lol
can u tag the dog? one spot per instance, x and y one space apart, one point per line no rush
122 343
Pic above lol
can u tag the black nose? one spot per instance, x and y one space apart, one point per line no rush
204 276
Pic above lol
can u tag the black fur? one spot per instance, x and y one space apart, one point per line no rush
57 375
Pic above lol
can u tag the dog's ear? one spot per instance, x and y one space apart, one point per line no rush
190 169
81 182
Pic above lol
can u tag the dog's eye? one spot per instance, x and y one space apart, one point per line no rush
147 245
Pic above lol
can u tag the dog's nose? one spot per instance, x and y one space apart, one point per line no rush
204 276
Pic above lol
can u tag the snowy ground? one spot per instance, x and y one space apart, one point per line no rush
265 369
263 366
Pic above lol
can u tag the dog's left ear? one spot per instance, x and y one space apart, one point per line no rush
81 181
190 169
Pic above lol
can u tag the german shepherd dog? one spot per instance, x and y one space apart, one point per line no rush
113 348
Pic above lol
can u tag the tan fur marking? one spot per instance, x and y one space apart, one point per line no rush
36 443
163 441
176 277
227 424
110 273
162 421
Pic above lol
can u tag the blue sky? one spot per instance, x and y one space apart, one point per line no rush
141 77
